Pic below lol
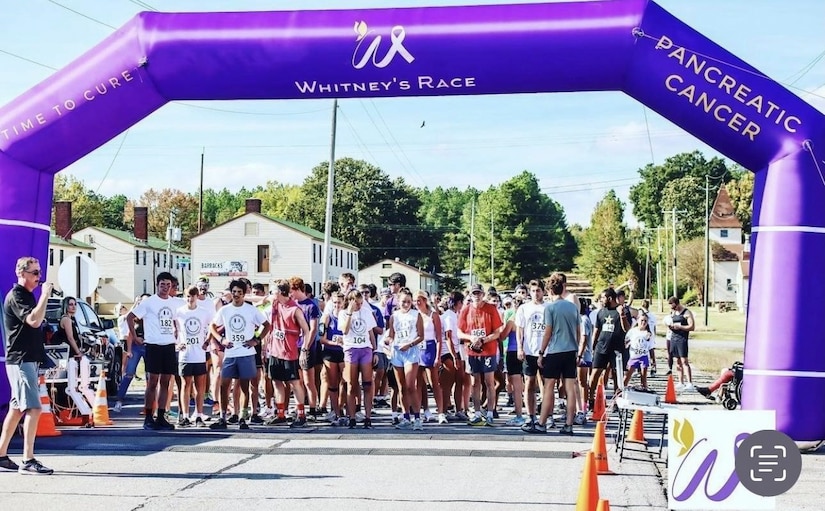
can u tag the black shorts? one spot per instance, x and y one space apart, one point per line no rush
161 359
283 370
678 348
559 365
192 369
259 357
530 367
604 360
334 356
313 358
515 367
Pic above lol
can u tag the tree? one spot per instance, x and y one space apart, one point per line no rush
604 249
740 189
661 188
87 208
441 214
278 198
220 206
114 209
529 233
370 211
160 204
691 268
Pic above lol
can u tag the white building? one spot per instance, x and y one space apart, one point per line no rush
730 271
263 249
59 250
380 272
129 262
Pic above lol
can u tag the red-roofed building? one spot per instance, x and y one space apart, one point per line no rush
731 258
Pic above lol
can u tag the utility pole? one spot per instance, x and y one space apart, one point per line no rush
659 270
170 235
330 187
675 284
492 249
647 263
200 196
472 235
666 281
707 245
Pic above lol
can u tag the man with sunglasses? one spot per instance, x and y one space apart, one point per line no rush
22 318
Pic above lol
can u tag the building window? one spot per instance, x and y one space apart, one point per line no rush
723 233
137 257
314 255
164 260
145 290
61 257
386 266
263 258
144 258
250 229
51 257
89 254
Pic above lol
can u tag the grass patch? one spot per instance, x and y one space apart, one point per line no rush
712 360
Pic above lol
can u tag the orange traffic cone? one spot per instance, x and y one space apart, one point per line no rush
637 428
599 450
589 487
670 393
599 412
101 407
604 505
46 422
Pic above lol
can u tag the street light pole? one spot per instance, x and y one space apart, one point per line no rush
707 245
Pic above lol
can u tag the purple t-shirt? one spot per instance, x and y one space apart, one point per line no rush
311 311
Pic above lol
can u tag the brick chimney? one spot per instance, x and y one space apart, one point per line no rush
63 219
253 205
141 223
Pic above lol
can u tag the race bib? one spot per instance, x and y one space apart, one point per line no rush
192 340
608 327
166 321
478 332
403 334
359 340
237 337
639 351
278 335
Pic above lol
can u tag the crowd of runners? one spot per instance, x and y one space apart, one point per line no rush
285 357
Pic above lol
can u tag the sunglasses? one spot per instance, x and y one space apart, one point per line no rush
36 273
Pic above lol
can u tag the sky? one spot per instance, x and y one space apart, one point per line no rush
579 145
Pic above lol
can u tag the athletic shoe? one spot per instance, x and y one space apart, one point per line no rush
351 422
242 424
460 415
275 421
567 429
396 420
705 391
653 372
581 419
518 420
343 421
404 424
529 427
418 425
551 424
150 424
199 423
208 401
669 372
7 464
118 407
191 402
34 467
495 414
538 428
162 424
220 424
359 416
478 420
300 422
428 416
234 419
688 386
442 419
330 417
256 419
367 424
488 421
184 422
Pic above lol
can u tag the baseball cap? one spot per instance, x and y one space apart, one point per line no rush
386 291
476 288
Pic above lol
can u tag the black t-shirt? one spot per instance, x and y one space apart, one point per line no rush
611 334
23 343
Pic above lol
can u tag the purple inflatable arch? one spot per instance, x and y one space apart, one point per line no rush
632 46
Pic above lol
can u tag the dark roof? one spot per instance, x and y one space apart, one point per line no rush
312 233
723 215
722 253
152 242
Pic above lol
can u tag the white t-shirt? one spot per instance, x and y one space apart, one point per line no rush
158 316
361 322
530 317
240 324
405 325
449 322
193 325
641 342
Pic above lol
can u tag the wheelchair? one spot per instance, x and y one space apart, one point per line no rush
731 392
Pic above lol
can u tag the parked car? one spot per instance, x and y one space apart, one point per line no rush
91 326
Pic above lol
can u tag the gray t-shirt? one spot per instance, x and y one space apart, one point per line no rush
563 317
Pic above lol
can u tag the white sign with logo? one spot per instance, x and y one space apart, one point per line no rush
702 454
78 270
224 268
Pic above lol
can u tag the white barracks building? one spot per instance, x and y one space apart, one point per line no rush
263 249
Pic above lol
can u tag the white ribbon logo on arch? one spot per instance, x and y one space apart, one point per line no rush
397 35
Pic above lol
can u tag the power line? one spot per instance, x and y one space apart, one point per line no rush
83 15
270 114
375 107
29 60
143 5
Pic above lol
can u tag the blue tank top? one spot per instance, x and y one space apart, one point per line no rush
332 330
